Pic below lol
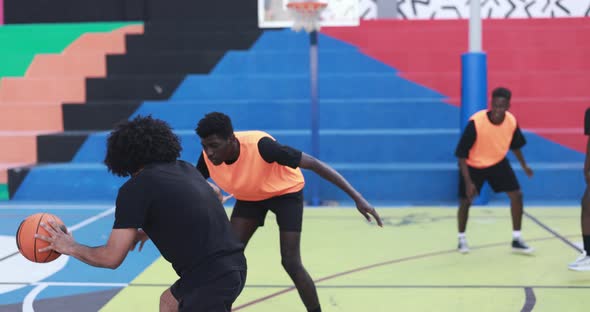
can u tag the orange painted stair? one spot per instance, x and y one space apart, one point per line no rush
19 148
85 57
31 105
52 79
27 117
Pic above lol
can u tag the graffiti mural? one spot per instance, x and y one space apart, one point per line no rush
368 9
450 9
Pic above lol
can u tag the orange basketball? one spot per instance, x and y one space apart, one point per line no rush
28 245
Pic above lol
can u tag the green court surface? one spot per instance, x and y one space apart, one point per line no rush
408 265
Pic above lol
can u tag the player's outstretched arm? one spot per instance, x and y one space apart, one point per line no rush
217 191
518 153
329 174
109 256
222 198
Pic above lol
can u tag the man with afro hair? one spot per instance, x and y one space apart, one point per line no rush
264 175
169 201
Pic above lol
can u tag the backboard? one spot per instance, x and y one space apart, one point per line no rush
274 13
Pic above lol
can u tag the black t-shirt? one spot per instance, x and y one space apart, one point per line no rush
270 150
181 214
470 134
587 122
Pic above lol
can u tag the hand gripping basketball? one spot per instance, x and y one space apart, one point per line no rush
27 242
59 240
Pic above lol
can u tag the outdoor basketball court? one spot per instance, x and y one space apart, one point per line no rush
408 265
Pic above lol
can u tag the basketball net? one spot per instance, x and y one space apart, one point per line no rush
307 14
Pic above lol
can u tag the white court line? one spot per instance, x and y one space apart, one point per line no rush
36 206
69 284
30 298
91 219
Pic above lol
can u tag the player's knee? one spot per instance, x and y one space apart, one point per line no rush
464 203
516 195
292 266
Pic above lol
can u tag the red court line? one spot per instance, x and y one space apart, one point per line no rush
372 266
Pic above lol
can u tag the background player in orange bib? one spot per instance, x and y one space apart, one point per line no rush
264 175
482 151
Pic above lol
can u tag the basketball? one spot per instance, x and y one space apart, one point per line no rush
28 245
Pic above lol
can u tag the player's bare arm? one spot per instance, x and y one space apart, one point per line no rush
109 256
217 190
518 153
328 173
140 237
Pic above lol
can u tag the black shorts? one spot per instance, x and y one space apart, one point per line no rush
500 176
288 209
217 295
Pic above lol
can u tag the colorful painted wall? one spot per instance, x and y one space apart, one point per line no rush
41 67
389 107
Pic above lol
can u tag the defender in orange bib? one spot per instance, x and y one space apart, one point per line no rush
264 175
482 151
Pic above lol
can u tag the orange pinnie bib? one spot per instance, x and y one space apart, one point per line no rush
492 141
251 178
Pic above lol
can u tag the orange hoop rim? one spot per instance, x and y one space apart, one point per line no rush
307 6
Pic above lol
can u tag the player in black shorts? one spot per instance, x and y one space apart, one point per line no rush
170 202
482 153
583 262
264 175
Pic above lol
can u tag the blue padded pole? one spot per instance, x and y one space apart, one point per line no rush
474 79
314 182
474 90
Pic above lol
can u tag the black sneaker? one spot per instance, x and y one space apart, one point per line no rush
519 246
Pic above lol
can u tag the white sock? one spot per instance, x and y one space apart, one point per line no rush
515 234
461 236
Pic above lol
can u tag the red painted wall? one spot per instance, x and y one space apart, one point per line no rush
543 61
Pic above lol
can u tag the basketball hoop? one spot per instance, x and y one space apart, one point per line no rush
306 14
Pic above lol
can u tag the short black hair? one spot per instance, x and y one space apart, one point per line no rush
215 123
501 92
139 142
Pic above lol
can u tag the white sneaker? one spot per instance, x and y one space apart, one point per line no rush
463 247
581 264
